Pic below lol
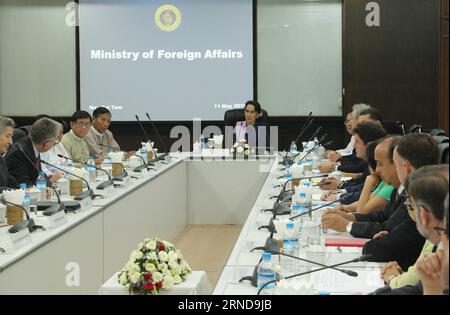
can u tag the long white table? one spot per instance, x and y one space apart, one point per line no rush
78 257
241 262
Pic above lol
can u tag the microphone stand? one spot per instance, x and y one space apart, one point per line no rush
362 258
50 207
102 185
88 193
28 223
166 153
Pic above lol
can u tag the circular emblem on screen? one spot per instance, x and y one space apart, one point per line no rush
168 18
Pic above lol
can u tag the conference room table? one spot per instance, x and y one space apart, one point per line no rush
79 256
83 254
242 260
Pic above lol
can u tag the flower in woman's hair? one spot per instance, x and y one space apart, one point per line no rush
240 149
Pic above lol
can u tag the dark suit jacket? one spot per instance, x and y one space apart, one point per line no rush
6 180
352 164
403 243
19 166
367 225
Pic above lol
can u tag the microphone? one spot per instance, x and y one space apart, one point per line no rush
271 225
309 121
310 151
166 152
84 194
148 139
315 133
49 206
361 258
306 126
254 277
28 223
101 186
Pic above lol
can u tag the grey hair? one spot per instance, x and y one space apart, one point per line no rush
358 109
44 130
6 122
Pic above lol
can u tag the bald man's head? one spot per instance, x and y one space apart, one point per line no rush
385 164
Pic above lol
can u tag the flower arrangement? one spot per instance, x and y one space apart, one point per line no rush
155 265
241 148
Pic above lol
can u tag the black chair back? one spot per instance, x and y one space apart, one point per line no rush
438 132
443 153
232 116
19 133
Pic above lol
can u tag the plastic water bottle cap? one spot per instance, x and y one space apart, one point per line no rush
290 225
23 186
267 256
324 293
295 207
302 195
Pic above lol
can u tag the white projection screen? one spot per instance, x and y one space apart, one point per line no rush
176 60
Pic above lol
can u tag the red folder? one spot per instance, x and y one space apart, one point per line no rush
346 242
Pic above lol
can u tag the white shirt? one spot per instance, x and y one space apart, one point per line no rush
349 149
51 157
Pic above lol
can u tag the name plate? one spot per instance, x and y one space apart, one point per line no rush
108 190
57 219
86 204
126 180
21 238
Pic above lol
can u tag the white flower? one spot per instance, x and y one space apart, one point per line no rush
168 282
136 254
246 146
135 277
163 256
177 279
173 255
247 152
151 245
240 149
235 145
123 278
232 151
162 267
177 270
167 272
152 256
173 263
167 244
150 267
157 276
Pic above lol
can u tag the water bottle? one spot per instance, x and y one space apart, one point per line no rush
27 202
41 185
293 148
290 247
91 169
266 273
69 164
202 142
144 152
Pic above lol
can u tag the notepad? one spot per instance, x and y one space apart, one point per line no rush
346 242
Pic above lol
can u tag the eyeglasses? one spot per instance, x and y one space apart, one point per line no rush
83 124
440 230
409 205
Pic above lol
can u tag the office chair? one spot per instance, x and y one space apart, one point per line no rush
415 129
438 132
232 116
443 153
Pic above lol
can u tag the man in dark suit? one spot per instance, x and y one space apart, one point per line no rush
394 233
24 156
6 132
